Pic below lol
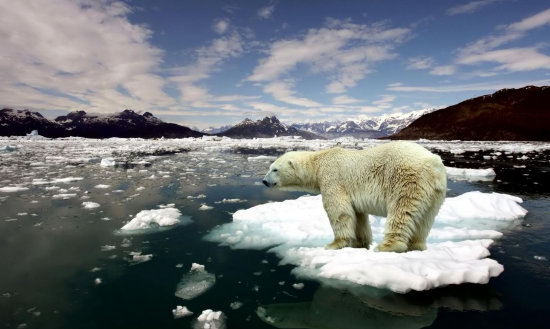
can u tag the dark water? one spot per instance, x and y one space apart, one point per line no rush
52 251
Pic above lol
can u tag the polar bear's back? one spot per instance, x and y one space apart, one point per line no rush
372 177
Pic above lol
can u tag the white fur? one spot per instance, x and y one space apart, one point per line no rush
400 180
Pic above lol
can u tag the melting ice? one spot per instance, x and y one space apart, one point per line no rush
194 283
457 245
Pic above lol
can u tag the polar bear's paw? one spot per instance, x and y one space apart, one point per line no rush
392 246
340 243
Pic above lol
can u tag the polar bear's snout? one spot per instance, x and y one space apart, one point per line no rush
269 180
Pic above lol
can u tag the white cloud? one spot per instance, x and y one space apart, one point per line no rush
443 70
344 99
469 7
420 63
341 50
282 91
385 102
208 60
86 49
511 59
489 86
221 26
266 12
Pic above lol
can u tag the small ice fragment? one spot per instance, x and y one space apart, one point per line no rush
298 286
210 320
204 206
194 283
181 311
199 196
107 247
108 162
90 205
105 218
97 281
140 188
102 186
540 257
64 196
95 269
12 189
471 175
137 257
236 305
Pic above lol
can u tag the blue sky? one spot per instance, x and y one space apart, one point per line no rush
212 63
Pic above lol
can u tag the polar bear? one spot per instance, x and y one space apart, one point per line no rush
400 180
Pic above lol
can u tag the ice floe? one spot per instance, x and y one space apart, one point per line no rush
90 205
13 189
181 311
210 320
471 175
195 282
155 219
457 250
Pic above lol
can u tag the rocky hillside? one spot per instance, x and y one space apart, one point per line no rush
267 127
22 122
508 114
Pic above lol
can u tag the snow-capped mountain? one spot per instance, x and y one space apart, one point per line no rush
372 127
214 130
267 127
91 125
121 124
21 122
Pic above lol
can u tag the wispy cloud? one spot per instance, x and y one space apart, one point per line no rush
420 63
282 91
469 7
266 12
510 59
97 57
477 87
341 50
221 25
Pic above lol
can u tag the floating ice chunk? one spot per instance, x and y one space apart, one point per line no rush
204 206
194 283
137 257
90 205
199 196
108 162
457 249
9 148
210 320
155 219
471 175
64 196
230 201
236 305
108 247
13 189
181 311
102 186
298 286
261 158
97 281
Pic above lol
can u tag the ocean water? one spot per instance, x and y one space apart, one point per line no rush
63 265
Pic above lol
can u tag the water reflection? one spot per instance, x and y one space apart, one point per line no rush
366 307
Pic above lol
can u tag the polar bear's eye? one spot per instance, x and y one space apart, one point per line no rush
275 170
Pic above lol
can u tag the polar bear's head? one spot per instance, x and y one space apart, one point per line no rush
282 172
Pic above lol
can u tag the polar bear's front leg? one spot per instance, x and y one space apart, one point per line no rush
342 220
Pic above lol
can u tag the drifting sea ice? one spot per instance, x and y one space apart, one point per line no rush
13 189
457 245
155 219
470 175
181 311
210 320
195 282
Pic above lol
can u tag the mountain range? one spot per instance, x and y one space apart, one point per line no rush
371 127
91 125
508 114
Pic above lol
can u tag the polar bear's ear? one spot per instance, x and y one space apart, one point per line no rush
291 164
